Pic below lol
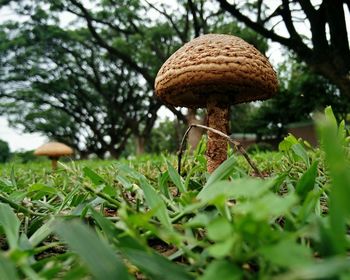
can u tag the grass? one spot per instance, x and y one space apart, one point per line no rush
139 219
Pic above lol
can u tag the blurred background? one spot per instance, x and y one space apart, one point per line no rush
82 71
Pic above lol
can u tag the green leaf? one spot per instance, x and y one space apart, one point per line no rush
42 188
200 220
155 202
219 229
342 132
324 269
75 273
330 116
38 190
41 233
222 172
96 179
286 144
13 177
221 249
7 268
5 185
175 177
299 150
130 172
307 182
239 188
310 203
98 256
124 181
222 269
163 183
156 265
145 259
339 210
287 253
266 207
10 224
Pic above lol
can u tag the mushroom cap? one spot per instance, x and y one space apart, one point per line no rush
53 149
223 67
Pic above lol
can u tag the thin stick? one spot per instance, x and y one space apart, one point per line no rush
238 146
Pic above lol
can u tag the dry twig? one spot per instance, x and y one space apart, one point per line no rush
238 146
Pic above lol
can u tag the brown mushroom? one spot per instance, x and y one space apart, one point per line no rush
54 150
215 71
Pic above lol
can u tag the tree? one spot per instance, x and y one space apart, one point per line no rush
166 137
68 83
176 25
4 151
302 94
60 83
326 52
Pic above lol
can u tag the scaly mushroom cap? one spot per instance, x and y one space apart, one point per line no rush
215 65
53 149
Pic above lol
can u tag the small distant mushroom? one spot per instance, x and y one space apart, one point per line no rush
215 71
54 150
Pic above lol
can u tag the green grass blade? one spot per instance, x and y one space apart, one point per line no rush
299 150
324 269
155 202
10 224
149 262
339 170
307 181
7 269
222 269
288 253
245 187
93 176
156 265
100 259
175 177
222 172
41 233
330 116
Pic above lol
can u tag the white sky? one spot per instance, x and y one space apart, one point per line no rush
25 141
18 140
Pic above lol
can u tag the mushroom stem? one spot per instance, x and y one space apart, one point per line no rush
54 162
218 115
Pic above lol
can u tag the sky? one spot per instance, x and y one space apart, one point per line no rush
18 140
25 141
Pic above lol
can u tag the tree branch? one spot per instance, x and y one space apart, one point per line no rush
196 25
300 48
126 58
337 29
181 35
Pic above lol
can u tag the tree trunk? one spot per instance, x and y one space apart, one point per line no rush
115 153
341 80
140 145
100 154
84 154
195 133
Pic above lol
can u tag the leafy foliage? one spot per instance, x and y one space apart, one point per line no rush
4 151
71 93
89 83
166 136
136 219
302 95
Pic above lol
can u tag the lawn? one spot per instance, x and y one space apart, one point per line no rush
139 219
